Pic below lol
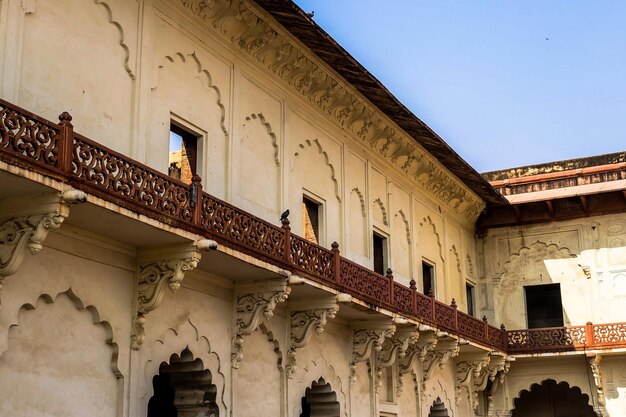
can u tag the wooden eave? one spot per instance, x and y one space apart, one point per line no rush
296 21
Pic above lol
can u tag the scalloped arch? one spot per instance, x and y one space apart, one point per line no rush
171 59
383 210
308 144
361 199
121 32
552 250
80 306
175 340
270 132
457 257
564 384
271 339
407 226
427 221
317 368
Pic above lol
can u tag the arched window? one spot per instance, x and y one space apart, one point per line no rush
183 388
438 409
320 401
550 399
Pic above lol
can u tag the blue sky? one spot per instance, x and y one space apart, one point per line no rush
482 74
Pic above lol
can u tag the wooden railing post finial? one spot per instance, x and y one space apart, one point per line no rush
66 142
334 247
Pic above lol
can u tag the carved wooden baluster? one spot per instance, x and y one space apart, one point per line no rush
287 229
195 199
413 287
589 334
336 262
392 297
486 327
456 314
66 143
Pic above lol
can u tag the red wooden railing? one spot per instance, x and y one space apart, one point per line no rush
55 150
554 339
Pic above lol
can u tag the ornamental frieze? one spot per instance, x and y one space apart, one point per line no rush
239 24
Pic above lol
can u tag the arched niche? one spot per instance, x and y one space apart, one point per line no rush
550 399
320 401
60 360
183 388
438 409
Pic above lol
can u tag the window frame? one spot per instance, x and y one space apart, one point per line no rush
321 215
433 276
376 232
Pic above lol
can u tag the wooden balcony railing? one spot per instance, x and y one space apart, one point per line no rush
556 339
55 150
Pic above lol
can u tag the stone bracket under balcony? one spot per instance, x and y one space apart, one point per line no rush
25 223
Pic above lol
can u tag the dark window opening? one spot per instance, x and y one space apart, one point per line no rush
469 295
311 220
183 154
320 401
543 306
380 262
428 277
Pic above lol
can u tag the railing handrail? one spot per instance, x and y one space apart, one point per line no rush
217 219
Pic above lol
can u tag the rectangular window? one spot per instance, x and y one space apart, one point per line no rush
428 277
387 385
543 306
311 220
380 253
469 295
183 154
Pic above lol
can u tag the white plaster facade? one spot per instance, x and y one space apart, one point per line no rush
69 315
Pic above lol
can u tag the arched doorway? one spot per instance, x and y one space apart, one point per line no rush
320 401
183 388
550 399
438 409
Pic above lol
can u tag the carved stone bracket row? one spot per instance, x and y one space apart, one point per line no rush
255 302
594 361
368 338
445 348
160 269
474 371
25 223
304 322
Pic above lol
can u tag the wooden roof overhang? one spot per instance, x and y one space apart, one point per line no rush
300 25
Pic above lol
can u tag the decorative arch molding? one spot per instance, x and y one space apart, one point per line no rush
175 340
183 58
361 200
120 30
380 204
428 223
407 226
437 392
275 343
457 257
261 118
525 393
80 306
469 265
539 252
320 368
309 144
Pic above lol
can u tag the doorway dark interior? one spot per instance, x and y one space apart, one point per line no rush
183 388
550 399
320 401
438 409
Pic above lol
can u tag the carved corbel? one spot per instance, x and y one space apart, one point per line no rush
255 302
303 323
474 371
594 361
368 337
446 348
160 269
395 348
415 352
25 223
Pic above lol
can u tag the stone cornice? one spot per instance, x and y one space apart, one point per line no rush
251 32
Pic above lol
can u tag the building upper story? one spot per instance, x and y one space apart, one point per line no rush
272 114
